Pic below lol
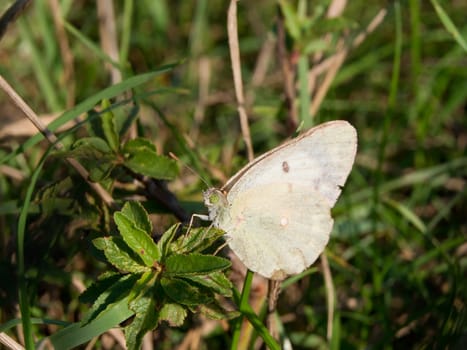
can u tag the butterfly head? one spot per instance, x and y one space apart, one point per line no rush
216 202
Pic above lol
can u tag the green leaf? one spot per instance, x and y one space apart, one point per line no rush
146 281
135 211
119 254
95 154
137 239
194 264
292 22
141 157
144 306
316 45
145 320
166 240
88 104
184 293
174 314
117 291
406 213
52 198
97 288
90 147
139 144
197 240
449 24
77 333
108 126
215 281
215 312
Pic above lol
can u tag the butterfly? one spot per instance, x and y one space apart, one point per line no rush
276 211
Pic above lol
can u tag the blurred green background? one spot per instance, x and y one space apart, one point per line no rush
398 252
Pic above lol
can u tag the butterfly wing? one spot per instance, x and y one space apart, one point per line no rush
278 216
278 229
319 160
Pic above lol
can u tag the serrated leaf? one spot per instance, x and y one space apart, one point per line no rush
166 240
90 147
96 155
120 255
215 312
136 213
145 320
197 240
137 239
144 283
174 314
52 197
215 281
184 293
108 126
194 264
141 157
138 144
117 291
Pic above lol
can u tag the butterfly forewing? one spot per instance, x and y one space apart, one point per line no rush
320 159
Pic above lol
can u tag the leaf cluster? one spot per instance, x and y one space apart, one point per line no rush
160 281
105 153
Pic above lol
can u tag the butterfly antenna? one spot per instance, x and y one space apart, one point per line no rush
193 171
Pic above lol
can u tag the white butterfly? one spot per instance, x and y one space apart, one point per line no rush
276 211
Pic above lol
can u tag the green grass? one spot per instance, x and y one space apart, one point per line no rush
397 252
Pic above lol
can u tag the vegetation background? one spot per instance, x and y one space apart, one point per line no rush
395 69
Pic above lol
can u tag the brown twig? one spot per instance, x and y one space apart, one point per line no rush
9 342
11 14
157 189
334 10
65 51
288 73
53 140
262 63
237 75
335 62
108 37
274 288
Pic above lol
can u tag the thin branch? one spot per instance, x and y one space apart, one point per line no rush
274 288
262 63
11 14
336 61
288 74
53 140
237 75
108 37
65 52
9 342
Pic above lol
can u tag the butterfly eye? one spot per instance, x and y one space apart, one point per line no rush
214 198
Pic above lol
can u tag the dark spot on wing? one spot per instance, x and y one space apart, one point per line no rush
285 167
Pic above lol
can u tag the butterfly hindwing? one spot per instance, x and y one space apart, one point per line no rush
281 235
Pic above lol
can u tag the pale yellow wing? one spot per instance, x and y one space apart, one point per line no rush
320 159
278 229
